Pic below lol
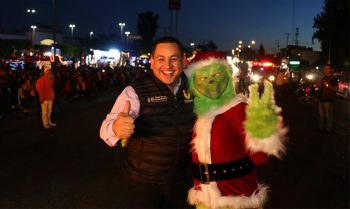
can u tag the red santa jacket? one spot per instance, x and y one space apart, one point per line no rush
219 137
45 89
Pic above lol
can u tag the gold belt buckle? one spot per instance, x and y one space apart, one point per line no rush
206 173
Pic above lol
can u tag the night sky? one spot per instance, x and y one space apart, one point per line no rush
223 21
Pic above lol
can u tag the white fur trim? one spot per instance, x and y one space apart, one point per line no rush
272 145
203 128
191 68
210 196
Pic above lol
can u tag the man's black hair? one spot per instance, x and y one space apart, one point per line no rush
167 39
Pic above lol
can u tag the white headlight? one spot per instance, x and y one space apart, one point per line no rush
310 76
271 78
255 78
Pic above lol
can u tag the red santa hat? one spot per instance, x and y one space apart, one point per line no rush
204 58
200 55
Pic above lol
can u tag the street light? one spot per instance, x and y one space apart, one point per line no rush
127 33
33 27
192 46
31 11
91 33
236 51
121 25
72 26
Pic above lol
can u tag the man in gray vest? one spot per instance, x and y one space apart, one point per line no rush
154 117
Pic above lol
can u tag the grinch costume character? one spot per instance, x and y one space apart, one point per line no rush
232 135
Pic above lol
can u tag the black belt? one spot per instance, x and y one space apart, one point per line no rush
222 171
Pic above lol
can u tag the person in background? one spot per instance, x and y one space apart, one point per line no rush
45 89
3 88
81 86
25 94
155 115
13 83
280 85
3 80
328 87
243 78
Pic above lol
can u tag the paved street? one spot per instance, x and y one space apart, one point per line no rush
315 171
70 167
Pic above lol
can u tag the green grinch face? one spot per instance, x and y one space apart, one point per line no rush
211 80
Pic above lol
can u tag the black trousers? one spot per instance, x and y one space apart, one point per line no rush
151 195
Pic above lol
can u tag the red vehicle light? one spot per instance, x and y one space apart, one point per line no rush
267 64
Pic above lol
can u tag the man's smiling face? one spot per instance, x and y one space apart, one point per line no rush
167 63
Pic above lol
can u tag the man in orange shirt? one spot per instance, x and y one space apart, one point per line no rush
45 89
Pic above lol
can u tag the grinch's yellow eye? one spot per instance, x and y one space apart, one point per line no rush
216 75
203 78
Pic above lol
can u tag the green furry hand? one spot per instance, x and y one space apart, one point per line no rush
261 112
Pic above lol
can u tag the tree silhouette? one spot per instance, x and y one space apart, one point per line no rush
212 46
332 30
209 46
147 27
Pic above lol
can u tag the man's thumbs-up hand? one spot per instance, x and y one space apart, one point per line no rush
124 126
126 109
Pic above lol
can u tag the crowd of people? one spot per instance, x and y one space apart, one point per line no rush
175 131
18 86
